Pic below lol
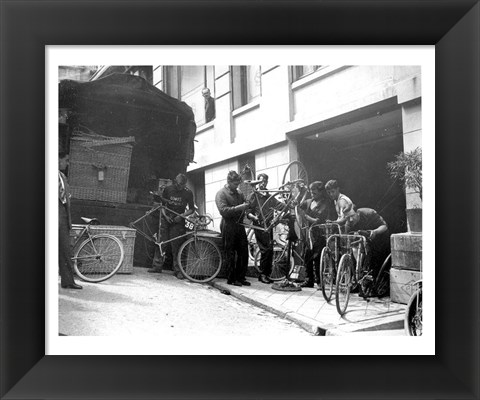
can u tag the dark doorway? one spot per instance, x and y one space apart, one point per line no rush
356 155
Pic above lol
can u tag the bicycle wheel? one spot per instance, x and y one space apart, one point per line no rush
343 283
98 258
280 266
199 259
413 316
295 171
382 282
327 273
252 244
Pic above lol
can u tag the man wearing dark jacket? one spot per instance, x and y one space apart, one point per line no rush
64 226
231 204
318 209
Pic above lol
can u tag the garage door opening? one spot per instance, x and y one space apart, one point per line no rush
356 155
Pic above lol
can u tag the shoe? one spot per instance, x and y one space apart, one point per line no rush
236 283
155 270
179 275
264 279
72 286
307 284
245 283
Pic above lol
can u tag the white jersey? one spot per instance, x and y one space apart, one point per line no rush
347 207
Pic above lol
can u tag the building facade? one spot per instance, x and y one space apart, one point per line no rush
342 122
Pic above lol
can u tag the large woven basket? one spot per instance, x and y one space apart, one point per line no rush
99 167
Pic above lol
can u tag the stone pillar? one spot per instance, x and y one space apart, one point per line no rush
407 247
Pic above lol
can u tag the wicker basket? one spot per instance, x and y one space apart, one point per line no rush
126 236
99 168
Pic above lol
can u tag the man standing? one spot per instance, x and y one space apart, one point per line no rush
177 196
342 203
264 238
318 209
209 105
64 226
231 205
376 229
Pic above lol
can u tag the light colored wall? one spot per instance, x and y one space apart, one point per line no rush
285 107
272 161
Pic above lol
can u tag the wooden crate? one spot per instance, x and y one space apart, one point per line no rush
126 236
407 251
99 168
402 284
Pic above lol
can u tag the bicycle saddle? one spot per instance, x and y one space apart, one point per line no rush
91 221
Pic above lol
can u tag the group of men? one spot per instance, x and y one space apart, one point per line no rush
326 204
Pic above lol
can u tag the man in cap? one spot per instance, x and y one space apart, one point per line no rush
231 204
177 197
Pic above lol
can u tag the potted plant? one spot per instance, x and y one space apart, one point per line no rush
407 168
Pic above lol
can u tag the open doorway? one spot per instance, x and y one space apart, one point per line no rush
356 155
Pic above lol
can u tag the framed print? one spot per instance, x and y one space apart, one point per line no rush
29 29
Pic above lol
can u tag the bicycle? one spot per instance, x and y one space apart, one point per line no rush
329 256
99 256
274 215
414 313
199 258
354 273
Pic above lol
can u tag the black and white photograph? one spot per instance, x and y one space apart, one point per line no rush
248 203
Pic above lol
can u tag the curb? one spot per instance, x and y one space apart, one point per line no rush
312 326
306 323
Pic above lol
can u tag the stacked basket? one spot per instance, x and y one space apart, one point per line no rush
99 167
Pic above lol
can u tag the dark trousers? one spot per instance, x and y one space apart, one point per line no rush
235 245
64 250
169 231
265 244
312 258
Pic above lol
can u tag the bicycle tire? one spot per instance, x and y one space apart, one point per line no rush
199 259
413 316
252 244
343 283
280 267
382 281
327 274
295 170
98 258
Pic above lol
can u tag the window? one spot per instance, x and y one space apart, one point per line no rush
246 84
299 71
186 83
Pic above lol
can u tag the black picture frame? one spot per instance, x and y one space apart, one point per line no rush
27 27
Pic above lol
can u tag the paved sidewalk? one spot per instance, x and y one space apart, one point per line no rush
309 309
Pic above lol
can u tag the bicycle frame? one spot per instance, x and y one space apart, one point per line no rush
86 230
196 226
327 228
356 246
267 227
